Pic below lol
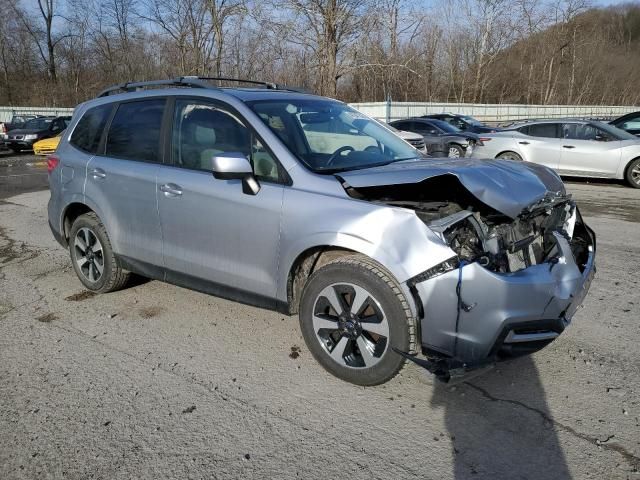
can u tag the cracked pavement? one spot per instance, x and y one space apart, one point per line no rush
156 381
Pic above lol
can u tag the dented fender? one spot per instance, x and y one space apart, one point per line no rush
394 237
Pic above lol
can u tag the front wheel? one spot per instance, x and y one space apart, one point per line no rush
509 156
633 173
351 315
456 151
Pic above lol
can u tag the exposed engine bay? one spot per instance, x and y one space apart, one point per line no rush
478 233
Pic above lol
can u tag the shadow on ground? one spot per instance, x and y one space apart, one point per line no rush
501 427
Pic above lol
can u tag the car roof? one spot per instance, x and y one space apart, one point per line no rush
200 85
524 123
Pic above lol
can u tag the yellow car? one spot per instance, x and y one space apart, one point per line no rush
48 145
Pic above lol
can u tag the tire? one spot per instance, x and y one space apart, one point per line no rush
390 322
509 156
456 151
96 266
632 174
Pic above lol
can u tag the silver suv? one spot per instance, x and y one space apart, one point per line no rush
299 203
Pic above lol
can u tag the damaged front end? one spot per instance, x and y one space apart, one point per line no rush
513 281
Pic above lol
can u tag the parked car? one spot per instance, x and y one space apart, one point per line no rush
48 145
457 143
629 122
34 130
382 253
414 139
17 121
570 147
463 122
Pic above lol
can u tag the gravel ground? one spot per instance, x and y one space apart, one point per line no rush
156 381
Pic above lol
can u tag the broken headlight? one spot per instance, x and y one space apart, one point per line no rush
441 268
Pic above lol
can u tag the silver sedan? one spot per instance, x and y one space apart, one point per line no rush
571 147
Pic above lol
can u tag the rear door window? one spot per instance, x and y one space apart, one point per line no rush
86 135
544 130
134 132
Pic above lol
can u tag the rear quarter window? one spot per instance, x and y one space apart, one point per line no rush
86 135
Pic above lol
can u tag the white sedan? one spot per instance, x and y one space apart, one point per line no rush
570 147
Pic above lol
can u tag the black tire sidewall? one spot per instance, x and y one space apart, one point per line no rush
399 336
98 229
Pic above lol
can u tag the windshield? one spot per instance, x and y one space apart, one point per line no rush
38 124
442 125
616 132
329 136
472 121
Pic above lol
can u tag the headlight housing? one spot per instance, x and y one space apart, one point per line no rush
30 136
437 270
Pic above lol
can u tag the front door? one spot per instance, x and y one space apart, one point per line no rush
588 150
211 230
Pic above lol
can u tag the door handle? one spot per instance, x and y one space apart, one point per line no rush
98 173
171 190
568 146
523 143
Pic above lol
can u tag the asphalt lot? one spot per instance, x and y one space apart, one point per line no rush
156 381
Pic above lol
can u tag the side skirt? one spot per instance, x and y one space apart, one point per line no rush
202 285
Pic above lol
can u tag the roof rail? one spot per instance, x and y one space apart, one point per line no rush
189 81
135 86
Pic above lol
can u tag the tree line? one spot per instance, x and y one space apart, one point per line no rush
62 52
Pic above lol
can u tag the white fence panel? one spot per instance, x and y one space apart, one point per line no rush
6 113
494 113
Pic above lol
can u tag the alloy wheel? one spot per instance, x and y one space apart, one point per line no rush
454 152
635 174
350 325
89 254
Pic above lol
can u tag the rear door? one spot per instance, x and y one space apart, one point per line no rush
121 180
588 150
212 230
540 144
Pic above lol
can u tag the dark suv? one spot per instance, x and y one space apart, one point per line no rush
34 130
463 122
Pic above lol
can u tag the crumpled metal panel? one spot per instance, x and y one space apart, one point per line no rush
507 186
539 292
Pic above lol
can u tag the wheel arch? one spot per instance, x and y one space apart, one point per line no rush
76 206
304 265
507 150
313 258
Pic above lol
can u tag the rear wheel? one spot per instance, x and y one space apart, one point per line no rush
351 315
92 256
633 173
509 156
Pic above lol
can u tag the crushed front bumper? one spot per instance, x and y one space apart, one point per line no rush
499 315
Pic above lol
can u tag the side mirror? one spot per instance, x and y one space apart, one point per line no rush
234 165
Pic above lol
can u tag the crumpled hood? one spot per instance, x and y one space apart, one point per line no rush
505 185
